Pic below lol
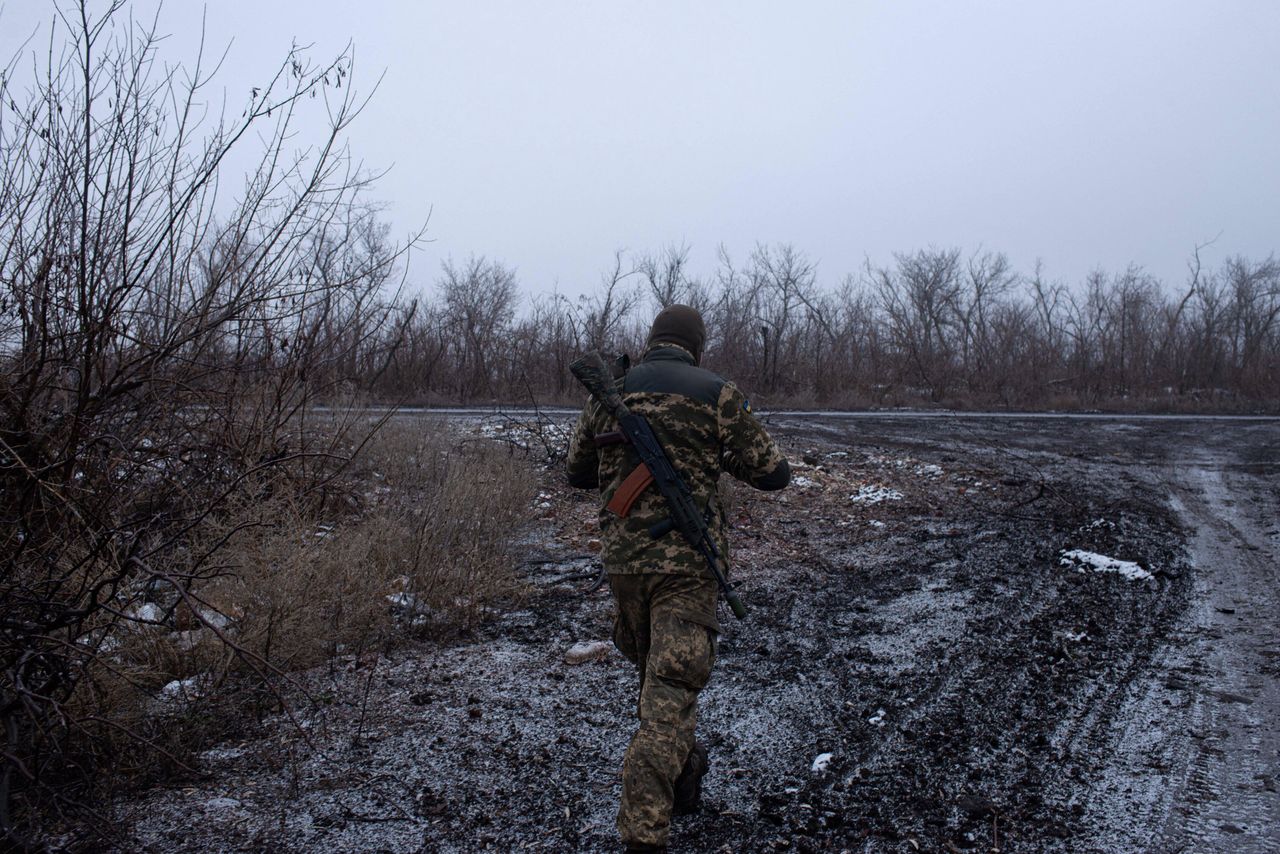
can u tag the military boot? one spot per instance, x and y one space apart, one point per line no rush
688 786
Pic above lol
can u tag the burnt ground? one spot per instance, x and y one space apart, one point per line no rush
972 691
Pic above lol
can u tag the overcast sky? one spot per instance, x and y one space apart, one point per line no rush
548 134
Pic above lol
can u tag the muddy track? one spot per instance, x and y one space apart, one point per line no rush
971 690
1219 682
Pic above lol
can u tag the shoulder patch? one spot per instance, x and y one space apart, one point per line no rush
746 406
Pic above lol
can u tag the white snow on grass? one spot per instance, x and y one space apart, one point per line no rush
803 482
821 762
1083 561
875 494
877 719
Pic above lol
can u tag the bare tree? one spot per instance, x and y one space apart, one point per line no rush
603 314
988 279
1255 296
479 305
783 278
918 299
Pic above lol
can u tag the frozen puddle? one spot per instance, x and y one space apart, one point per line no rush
1083 561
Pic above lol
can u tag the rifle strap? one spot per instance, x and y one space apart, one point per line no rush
637 482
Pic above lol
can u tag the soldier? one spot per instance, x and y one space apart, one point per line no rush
665 621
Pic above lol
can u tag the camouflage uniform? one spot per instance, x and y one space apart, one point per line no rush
666 598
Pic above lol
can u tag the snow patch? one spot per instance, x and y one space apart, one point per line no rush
877 719
875 494
403 601
803 482
147 612
821 762
1083 561
210 617
182 691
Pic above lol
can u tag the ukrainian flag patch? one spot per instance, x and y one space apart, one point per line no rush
746 406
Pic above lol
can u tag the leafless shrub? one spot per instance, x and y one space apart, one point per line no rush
159 363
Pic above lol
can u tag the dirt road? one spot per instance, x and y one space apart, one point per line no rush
966 634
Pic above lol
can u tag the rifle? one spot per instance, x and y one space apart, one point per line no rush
655 467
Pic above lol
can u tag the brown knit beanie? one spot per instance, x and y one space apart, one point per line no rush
679 324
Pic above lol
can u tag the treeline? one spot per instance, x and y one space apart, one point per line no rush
931 327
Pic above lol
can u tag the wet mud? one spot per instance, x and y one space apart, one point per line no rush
912 616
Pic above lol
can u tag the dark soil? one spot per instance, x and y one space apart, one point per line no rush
972 691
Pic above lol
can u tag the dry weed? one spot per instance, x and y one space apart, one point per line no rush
429 547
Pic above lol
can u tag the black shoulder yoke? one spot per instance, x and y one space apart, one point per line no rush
670 370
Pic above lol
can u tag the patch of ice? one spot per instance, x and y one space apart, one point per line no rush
821 762
875 494
1083 561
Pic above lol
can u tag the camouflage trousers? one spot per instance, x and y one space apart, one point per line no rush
666 625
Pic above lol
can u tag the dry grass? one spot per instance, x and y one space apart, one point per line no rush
433 528
418 543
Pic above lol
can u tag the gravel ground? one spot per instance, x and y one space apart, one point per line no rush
912 616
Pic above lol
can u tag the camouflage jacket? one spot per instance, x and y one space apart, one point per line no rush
706 426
